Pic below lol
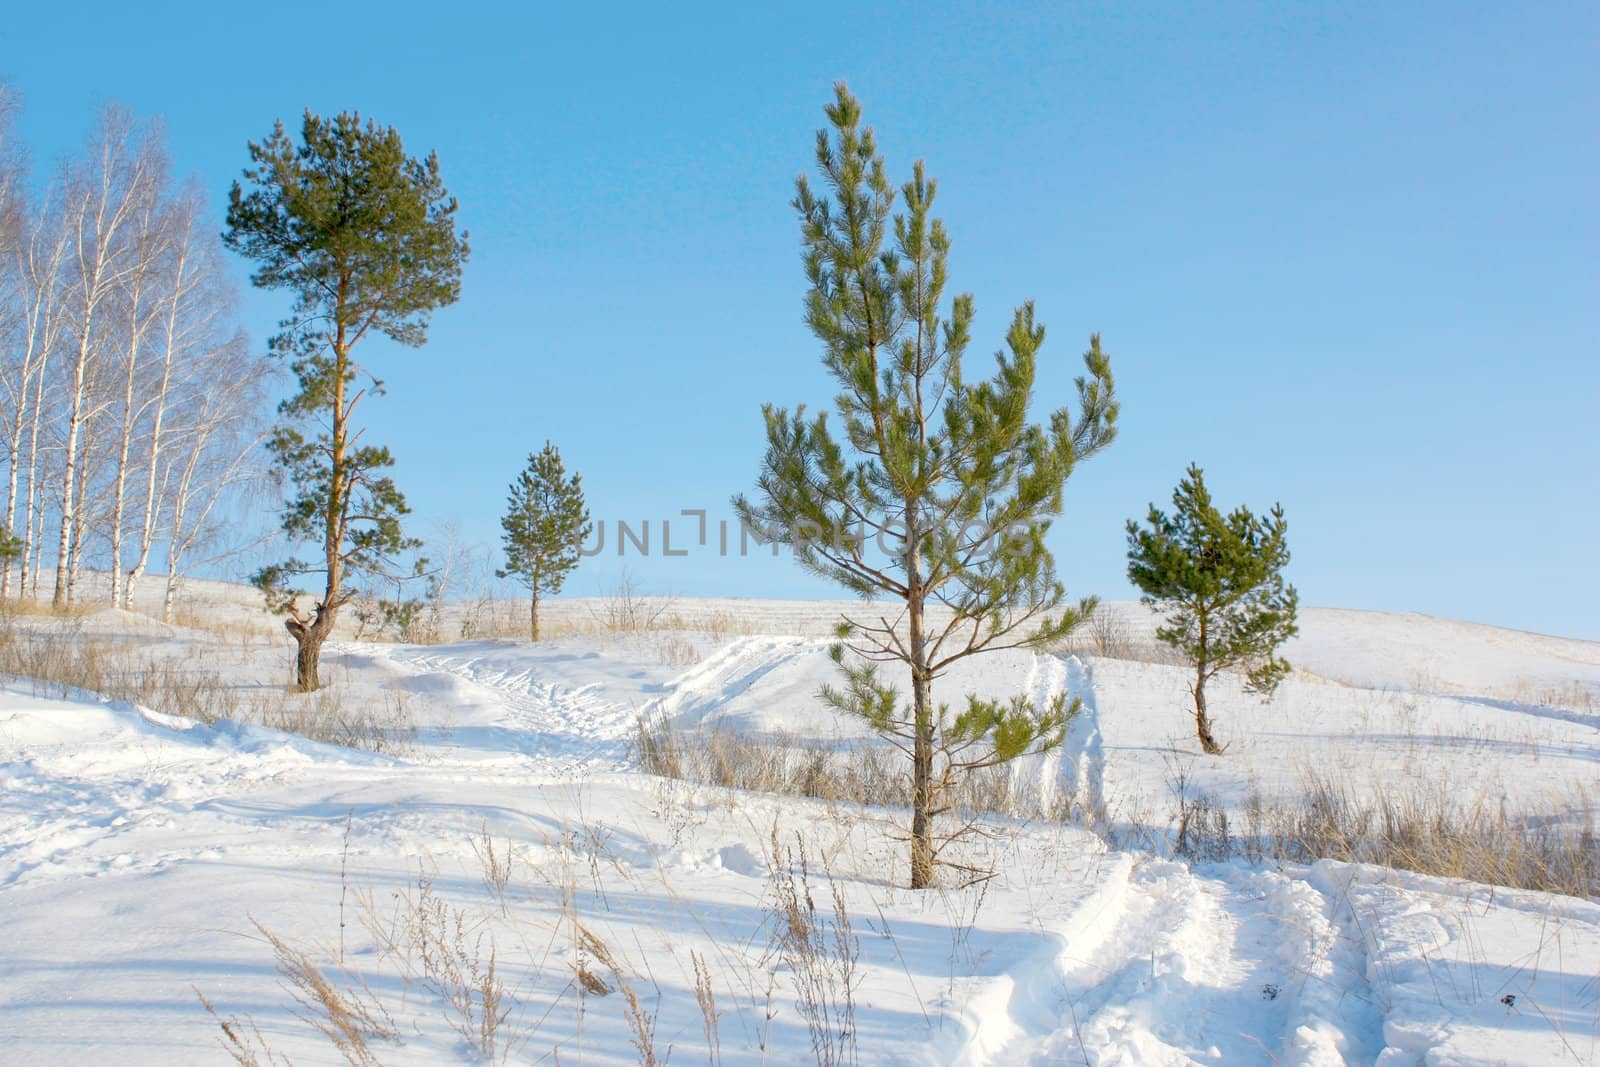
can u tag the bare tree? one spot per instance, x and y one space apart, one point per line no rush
29 266
139 315
129 401
102 196
197 347
216 457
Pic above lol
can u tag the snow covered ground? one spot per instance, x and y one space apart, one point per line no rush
146 859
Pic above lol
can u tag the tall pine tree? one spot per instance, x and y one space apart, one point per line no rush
934 491
544 527
364 237
1219 580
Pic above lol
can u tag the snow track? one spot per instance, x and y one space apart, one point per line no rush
540 716
713 688
1084 744
1162 965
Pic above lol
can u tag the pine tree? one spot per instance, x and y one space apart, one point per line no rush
364 236
11 548
545 525
935 491
1219 580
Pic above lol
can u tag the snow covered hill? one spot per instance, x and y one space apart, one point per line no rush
465 895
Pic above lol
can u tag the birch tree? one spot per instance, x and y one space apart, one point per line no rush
148 236
117 326
216 459
14 319
103 194
196 348
39 269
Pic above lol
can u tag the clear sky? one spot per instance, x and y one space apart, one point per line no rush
1343 256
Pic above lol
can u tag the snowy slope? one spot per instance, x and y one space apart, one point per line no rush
137 852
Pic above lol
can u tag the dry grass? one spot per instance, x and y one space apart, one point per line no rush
240 631
454 957
1425 830
1570 696
820 950
59 665
28 607
854 774
241 1039
626 610
641 1023
66 665
658 620
705 997
494 865
350 1018
440 957
1104 633
329 716
675 650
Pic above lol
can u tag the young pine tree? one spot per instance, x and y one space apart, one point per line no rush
1219 580
364 237
11 548
931 489
545 525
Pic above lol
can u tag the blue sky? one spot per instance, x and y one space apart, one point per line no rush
1348 258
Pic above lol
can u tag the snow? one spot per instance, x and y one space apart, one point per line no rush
139 851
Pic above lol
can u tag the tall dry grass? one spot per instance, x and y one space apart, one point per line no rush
449 958
1420 829
496 969
1553 849
856 774
59 665
819 948
64 664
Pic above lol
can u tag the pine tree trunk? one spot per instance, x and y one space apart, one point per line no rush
922 748
533 616
922 786
1202 722
307 659
309 636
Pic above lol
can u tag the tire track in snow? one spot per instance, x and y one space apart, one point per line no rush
570 724
700 691
1332 1019
1084 738
1075 768
1019 1011
1183 978
1161 966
